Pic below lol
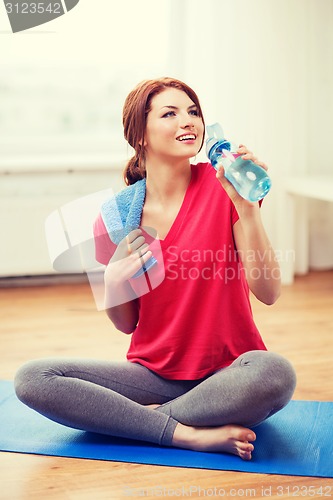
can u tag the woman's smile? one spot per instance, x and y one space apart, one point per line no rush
173 117
187 138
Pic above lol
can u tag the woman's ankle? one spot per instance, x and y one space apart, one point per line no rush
183 436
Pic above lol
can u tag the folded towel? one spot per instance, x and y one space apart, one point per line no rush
122 213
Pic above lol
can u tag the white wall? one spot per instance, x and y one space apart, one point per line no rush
62 90
264 69
320 127
69 78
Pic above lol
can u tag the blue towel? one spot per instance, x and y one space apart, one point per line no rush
122 213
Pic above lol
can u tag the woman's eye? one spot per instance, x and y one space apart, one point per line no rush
192 112
169 113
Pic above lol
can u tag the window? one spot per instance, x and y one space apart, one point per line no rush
63 84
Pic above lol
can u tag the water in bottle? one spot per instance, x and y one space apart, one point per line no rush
249 179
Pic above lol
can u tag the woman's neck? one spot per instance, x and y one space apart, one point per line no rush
165 180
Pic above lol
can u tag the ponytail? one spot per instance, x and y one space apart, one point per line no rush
134 170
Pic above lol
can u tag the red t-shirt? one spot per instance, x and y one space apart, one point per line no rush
199 318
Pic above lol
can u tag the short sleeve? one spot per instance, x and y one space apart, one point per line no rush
234 214
104 247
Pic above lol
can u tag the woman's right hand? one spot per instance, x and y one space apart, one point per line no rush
131 253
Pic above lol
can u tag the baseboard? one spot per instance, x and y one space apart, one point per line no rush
42 280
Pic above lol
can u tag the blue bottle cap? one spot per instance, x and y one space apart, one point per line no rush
215 134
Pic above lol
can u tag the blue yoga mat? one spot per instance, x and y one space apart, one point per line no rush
296 441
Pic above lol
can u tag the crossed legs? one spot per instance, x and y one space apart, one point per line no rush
128 400
217 414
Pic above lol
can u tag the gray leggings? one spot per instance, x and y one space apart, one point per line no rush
109 398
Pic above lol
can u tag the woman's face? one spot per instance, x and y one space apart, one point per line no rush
173 129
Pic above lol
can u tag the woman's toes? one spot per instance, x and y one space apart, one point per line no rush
244 450
245 455
251 436
229 438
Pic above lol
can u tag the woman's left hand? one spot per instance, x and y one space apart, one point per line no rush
248 155
236 198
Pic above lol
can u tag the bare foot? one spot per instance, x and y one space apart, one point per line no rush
152 406
228 438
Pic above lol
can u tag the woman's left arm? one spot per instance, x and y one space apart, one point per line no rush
254 248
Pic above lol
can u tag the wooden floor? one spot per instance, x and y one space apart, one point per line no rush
62 320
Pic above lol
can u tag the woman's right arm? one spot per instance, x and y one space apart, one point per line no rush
124 316
121 303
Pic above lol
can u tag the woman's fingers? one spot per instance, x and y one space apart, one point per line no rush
133 235
248 155
136 242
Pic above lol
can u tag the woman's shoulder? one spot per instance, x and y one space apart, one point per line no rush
123 210
203 167
126 194
205 176
203 171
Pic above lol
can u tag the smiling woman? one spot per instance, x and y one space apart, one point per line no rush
188 138
184 124
198 374
176 110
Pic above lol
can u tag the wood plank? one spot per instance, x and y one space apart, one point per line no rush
62 320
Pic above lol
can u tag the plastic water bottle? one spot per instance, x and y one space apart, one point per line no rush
249 179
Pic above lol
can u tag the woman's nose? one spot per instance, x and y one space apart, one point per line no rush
187 122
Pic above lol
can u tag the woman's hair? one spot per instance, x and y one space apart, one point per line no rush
136 108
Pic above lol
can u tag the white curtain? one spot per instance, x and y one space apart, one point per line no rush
264 69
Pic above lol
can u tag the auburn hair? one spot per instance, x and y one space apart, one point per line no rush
136 108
